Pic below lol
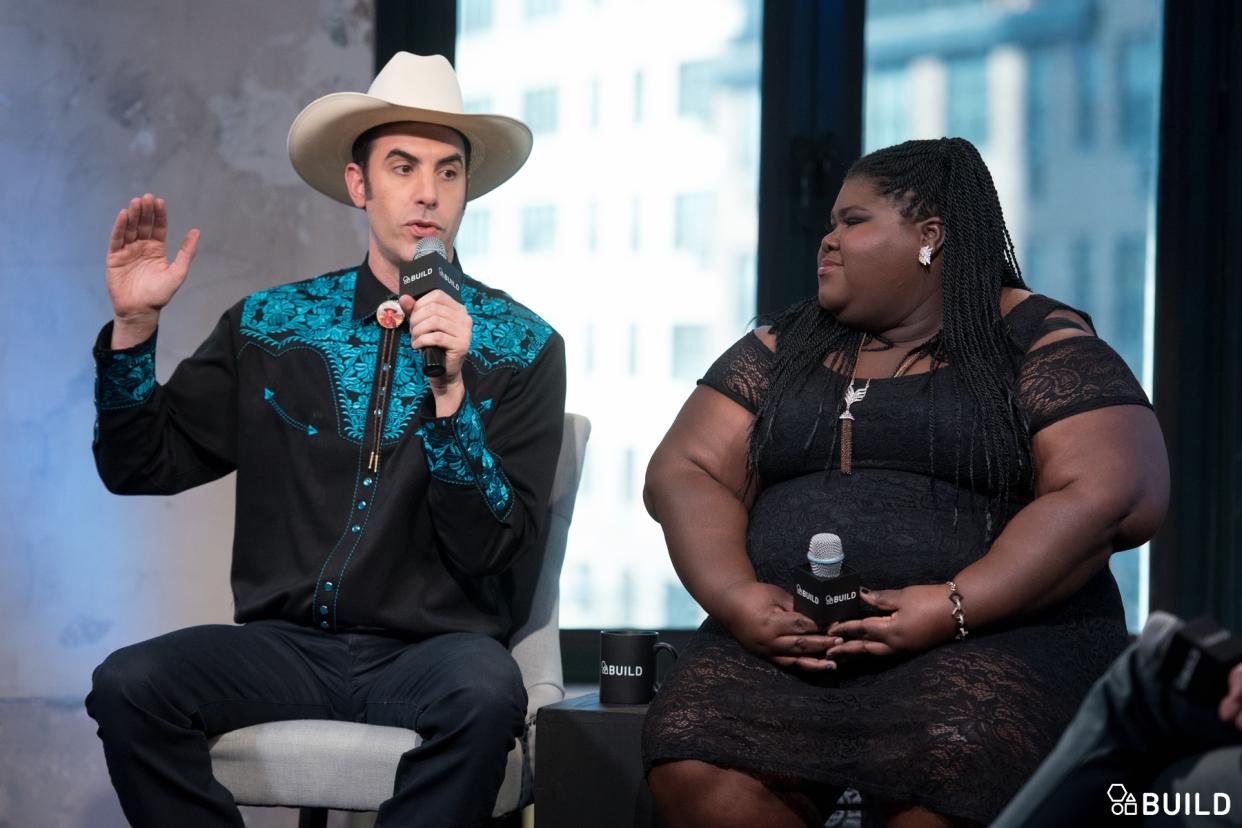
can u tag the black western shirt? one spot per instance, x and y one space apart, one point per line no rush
356 508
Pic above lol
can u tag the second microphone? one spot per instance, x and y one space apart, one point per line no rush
431 270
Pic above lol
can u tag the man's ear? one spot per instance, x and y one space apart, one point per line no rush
356 183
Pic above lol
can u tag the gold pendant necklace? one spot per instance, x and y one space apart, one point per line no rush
856 395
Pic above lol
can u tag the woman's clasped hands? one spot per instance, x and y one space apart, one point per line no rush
918 618
762 618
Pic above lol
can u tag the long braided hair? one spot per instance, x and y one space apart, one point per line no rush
945 178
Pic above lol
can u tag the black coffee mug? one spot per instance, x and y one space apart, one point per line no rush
627 665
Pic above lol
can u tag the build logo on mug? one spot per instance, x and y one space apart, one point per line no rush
627 665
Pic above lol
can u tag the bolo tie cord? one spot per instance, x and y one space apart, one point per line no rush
388 351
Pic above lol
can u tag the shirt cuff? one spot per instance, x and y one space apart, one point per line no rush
124 378
457 453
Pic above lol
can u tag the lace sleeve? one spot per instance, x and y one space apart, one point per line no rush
1074 375
741 373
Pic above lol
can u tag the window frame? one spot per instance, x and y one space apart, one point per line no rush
814 52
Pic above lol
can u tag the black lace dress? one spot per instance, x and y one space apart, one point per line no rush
960 727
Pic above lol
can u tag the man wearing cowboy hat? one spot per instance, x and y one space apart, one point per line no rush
378 511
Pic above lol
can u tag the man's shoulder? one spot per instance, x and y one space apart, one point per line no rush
506 332
294 307
336 284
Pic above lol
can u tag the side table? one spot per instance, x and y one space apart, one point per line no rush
588 766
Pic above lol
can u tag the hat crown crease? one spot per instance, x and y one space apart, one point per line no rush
437 89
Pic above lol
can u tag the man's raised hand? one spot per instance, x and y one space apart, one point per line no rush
141 280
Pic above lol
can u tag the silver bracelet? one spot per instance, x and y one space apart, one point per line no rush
958 615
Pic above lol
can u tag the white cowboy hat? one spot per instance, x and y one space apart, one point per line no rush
409 88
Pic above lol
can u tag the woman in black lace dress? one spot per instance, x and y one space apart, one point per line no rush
998 452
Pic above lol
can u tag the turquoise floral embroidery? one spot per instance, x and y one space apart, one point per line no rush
127 379
457 453
319 314
505 333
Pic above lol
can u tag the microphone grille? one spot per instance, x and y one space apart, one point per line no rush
825 548
428 245
825 555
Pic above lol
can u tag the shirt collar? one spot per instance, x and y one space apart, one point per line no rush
368 292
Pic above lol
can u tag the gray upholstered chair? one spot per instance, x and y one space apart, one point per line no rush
321 765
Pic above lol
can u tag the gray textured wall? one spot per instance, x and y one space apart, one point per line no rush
98 102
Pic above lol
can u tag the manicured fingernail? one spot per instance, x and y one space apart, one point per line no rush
864 590
837 641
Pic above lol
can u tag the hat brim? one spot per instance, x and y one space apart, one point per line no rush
322 138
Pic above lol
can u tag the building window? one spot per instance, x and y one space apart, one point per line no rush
1032 262
576 585
968 99
629 474
636 224
1039 118
638 97
1078 292
594 103
694 91
633 350
692 224
691 345
887 119
746 266
680 608
748 143
1139 76
538 228
539 110
1087 92
629 587
536 9
474 16
474 235
1129 280
588 348
592 222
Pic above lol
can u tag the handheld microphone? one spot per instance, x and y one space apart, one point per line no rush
430 270
825 589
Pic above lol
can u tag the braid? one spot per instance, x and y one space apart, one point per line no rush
945 178
806 334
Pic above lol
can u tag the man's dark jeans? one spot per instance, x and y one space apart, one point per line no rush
158 702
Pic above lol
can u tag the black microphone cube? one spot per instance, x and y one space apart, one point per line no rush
1197 663
429 272
825 600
